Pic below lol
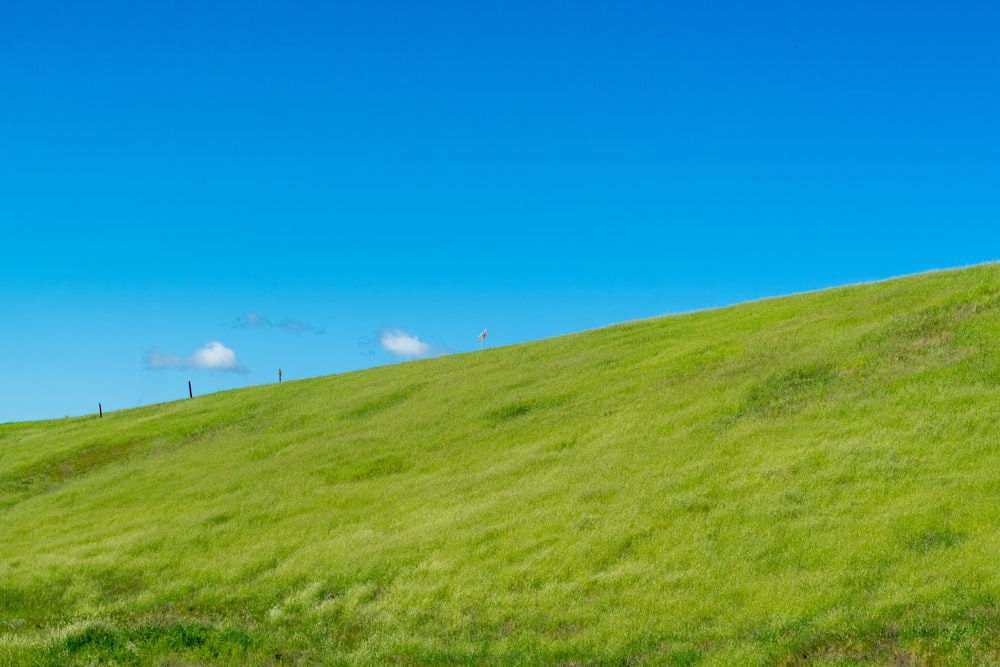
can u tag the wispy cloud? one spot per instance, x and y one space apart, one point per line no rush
402 344
295 326
212 356
252 320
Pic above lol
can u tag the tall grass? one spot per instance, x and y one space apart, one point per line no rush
806 480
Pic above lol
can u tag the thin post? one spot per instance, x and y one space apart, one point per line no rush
100 411
279 375
190 393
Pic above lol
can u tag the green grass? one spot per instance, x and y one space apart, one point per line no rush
809 480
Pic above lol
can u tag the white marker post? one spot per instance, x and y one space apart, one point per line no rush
482 338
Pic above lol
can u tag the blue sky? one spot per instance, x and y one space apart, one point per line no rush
212 191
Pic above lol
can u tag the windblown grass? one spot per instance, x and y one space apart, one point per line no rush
806 480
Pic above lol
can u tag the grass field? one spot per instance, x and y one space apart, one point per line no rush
808 480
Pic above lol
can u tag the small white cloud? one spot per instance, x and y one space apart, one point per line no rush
403 344
212 356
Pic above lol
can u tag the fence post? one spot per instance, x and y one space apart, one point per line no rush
190 393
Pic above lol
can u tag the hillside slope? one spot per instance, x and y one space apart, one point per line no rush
812 479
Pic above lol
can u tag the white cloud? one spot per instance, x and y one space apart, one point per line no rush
212 356
403 344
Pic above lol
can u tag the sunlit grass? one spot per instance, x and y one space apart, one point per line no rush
805 480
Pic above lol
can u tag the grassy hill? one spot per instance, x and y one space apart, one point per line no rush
808 480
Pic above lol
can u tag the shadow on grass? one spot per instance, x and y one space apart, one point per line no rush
102 643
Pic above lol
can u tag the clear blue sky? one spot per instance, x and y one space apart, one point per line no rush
212 191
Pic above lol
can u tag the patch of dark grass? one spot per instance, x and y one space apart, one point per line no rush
928 332
511 411
381 467
117 584
934 539
917 637
26 609
383 402
50 474
520 409
787 392
219 519
105 643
